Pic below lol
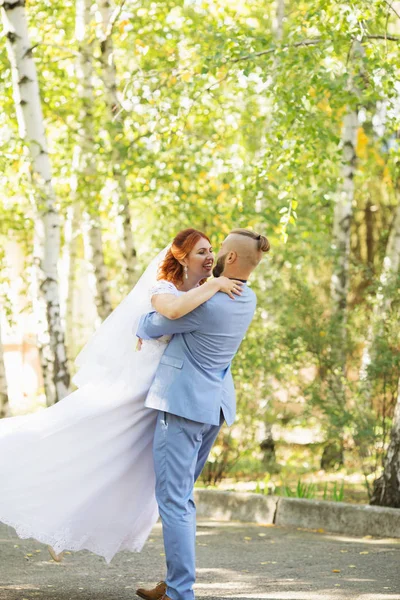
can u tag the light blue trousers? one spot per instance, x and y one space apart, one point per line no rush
181 448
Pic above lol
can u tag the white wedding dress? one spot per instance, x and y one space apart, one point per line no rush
79 474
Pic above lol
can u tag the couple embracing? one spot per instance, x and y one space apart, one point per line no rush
95 470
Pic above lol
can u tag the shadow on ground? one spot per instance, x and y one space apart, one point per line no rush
235 561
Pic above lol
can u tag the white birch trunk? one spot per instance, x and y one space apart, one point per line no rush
42 331
88 166
387 487
31 127
109 77
94 252
343 212
342 216
72 233
344 202
4 405
277 26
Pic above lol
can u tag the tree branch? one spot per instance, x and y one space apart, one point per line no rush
391 38
113 20
309 42
312 42
390 5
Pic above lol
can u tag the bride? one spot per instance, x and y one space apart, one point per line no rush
79 474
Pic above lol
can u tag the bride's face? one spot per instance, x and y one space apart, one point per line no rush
200 260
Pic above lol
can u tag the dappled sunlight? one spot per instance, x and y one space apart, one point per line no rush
20 587
333 594
207 533
233 562
123 123
368 540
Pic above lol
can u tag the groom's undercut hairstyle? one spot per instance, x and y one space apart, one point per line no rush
250 245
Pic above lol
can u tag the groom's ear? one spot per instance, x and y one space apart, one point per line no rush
232 257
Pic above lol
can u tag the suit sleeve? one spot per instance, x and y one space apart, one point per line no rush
154 325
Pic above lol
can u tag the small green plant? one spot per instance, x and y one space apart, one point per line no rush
325 496
267 480
338 494
303 490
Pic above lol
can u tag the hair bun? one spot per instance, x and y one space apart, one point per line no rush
263 243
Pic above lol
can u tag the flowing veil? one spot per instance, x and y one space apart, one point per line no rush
81 473
112 346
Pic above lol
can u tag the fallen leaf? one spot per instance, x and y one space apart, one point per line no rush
262 534
247 538
37 551
344 551
365 552
29 554
352 567
320 530
335 570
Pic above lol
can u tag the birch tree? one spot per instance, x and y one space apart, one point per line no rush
72 234
387 486
87 168
31 127
342 218
268 444
116 130
343 209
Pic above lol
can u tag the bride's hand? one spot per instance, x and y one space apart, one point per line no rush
139 344
230 286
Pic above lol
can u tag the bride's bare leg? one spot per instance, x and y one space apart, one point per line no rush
54 556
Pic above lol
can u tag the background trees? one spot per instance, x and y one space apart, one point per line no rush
281 116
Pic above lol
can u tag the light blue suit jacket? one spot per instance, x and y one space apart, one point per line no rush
193 379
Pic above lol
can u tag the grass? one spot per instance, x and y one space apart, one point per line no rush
298 474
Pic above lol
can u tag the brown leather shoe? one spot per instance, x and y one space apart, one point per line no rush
156 593
165 597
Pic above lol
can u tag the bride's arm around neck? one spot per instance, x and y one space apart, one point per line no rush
173 306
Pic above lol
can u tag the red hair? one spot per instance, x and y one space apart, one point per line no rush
183 243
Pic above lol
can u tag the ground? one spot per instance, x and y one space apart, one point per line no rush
235 561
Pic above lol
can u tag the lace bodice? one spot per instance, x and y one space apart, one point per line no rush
164 287
161 287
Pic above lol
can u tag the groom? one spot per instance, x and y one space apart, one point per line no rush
193 392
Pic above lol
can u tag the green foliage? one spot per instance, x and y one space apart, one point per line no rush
303 490
220 126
